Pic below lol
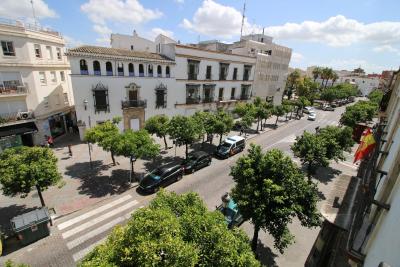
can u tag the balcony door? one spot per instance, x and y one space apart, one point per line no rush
133 95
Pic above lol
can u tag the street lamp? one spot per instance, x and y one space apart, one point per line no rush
85 103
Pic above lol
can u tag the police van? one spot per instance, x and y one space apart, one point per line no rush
230 146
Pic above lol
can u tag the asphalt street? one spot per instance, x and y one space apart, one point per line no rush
74 235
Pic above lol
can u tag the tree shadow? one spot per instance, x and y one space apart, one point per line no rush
9 212
206 147
265 255
159 161
270 126
326 174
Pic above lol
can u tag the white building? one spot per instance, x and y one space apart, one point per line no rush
34 84
136 85
365 84
375 236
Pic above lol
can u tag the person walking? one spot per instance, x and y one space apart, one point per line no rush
50 141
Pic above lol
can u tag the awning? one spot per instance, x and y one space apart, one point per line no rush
16 129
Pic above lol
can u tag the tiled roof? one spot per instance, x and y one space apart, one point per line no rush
107 51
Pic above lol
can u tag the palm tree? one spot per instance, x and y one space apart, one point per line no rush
334 77
326 75
292 81
316 72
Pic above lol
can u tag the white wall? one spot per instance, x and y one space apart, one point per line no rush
365 85
123 41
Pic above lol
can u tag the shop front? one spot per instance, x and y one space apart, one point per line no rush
59 124
18 134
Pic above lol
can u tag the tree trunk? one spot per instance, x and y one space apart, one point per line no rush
165 143
39 191
309 171
220 138
132 169
186 150
291 113
276 122
254 241
211 139
258 123
112 157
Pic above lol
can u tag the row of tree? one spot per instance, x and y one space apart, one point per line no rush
338 92
325 74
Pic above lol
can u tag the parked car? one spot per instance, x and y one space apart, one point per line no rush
231 212
161 177
312 116
195 161
230 146
328 108
307 110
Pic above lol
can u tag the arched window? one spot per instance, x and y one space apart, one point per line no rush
141 70
167 72
109 69
150 70
120 69
131 70
83 67
159 71
96 68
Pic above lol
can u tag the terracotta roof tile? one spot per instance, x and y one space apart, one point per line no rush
108 51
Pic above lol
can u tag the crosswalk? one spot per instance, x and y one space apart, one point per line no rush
85 231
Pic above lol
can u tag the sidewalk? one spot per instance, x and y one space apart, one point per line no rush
84 186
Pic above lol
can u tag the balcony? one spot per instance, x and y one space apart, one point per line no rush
192 101
134 104
208 99
15 116
192 76
109 73
244 97
246 77
84 72
141 74
131 74
97 73
12 90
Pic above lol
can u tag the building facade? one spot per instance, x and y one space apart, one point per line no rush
365 84
36 96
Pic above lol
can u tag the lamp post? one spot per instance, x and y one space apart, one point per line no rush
85 104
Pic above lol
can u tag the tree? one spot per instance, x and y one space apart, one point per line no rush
175 230
308 89
158 125
223 124
362 111
329 94
105 135
376 96
270 191
311 150
334 77
300 103
278 111
22 168
184 130
316 73
292 82
136 145
337 140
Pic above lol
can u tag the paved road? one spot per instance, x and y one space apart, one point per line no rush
74 235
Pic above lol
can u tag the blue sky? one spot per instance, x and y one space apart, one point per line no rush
341 34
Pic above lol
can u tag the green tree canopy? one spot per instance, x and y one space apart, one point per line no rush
223 123
175 230
278 111
337 140
184 130
270 191
362 111
158 125
311 150
22 168
376 96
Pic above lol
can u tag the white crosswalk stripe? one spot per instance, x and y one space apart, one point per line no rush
97 220
84 232
86 215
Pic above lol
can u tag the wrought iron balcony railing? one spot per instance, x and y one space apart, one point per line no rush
134 104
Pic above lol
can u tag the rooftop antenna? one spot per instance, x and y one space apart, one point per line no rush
33 12
243 16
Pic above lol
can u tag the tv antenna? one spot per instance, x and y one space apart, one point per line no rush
33 12
243 16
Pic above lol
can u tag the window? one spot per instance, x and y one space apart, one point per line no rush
161 96
167 73
46 101
223 71
141 70
100 97
234 77
131 47
49 52
192 94
96 68
208 93
208 73
193 69
221 94
233 93
245 93
59 56
159 71
246 72
8 48
62 76
131 70
150 70
53 76
83 67
66 100
57 99
120 69
38 51
42 77
109 69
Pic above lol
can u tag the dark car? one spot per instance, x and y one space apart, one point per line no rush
231 212
161 177
195 161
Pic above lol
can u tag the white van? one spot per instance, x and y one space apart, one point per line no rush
231 146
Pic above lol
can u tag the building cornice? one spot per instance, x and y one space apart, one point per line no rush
212 51
36 66
109 57
219 60
213 81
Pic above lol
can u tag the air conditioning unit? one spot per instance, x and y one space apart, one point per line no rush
25 115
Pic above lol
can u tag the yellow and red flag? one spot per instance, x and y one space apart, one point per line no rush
367 144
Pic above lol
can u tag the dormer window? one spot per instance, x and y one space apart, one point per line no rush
131 70
109 69
167 72
96 68
150 70
83 67
120 69
159 71
141 70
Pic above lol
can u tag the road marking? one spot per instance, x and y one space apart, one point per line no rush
86 215
82 253
96 220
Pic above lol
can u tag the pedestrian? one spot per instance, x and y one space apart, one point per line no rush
70 150
50 141
317 129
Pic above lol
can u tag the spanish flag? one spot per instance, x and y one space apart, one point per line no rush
367 145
